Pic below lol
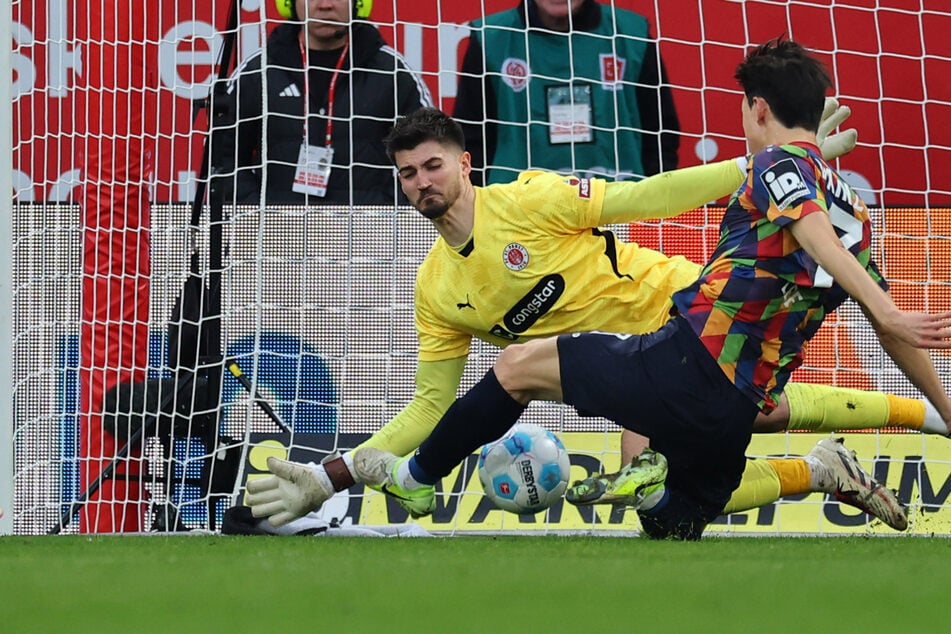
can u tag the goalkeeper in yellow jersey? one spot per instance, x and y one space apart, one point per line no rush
527 259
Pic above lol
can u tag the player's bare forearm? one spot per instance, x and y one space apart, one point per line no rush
903 335
921 330
816 236
916 364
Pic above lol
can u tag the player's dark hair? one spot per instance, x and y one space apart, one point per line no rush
425 124
792 82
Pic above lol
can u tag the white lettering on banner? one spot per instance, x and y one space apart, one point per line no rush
23 187
250 36
62 188
413 45
171 57
449 37
23 68
186 184
60 57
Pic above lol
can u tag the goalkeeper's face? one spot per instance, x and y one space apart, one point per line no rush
433 176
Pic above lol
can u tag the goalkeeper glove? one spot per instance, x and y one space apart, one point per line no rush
832 146
835 145
292 491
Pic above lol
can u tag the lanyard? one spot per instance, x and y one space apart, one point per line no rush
331 91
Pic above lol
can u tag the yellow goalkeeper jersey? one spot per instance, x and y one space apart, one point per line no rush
536 265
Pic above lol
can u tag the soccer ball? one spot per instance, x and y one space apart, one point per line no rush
526 470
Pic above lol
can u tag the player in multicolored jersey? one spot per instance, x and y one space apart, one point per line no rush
761 296
792 247
526 260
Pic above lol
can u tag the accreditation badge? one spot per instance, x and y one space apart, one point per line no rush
313 170
569 114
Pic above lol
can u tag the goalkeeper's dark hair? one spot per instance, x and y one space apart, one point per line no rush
789 78
425 124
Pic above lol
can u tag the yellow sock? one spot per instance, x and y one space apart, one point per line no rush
760 485
793 474
905 412
826 408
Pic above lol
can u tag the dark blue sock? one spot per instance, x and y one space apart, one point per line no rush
419 474
482 415
657 508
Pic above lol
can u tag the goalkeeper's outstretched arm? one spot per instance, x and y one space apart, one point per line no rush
294 490
675 192
436 386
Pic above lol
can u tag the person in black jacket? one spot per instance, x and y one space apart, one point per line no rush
513 91
355 88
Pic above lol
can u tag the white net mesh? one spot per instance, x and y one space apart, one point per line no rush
316 300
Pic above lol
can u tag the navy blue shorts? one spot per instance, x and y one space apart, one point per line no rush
666 386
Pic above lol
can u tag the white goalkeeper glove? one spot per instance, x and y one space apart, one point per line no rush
835 145
292 491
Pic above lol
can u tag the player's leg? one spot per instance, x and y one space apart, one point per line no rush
815 407
632 444
828 468
666 386
826 408
836 473
521 374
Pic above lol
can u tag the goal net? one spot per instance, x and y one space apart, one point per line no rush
311 305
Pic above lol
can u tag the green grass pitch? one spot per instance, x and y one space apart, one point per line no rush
274 585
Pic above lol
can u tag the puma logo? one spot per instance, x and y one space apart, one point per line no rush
466 304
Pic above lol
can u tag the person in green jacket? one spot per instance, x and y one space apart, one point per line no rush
572 86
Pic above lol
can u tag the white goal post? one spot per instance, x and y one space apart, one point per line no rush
104 132
6 292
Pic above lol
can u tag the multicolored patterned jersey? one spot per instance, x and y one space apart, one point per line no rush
536 265
761 297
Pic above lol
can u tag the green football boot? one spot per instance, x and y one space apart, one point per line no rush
642 479
379 469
